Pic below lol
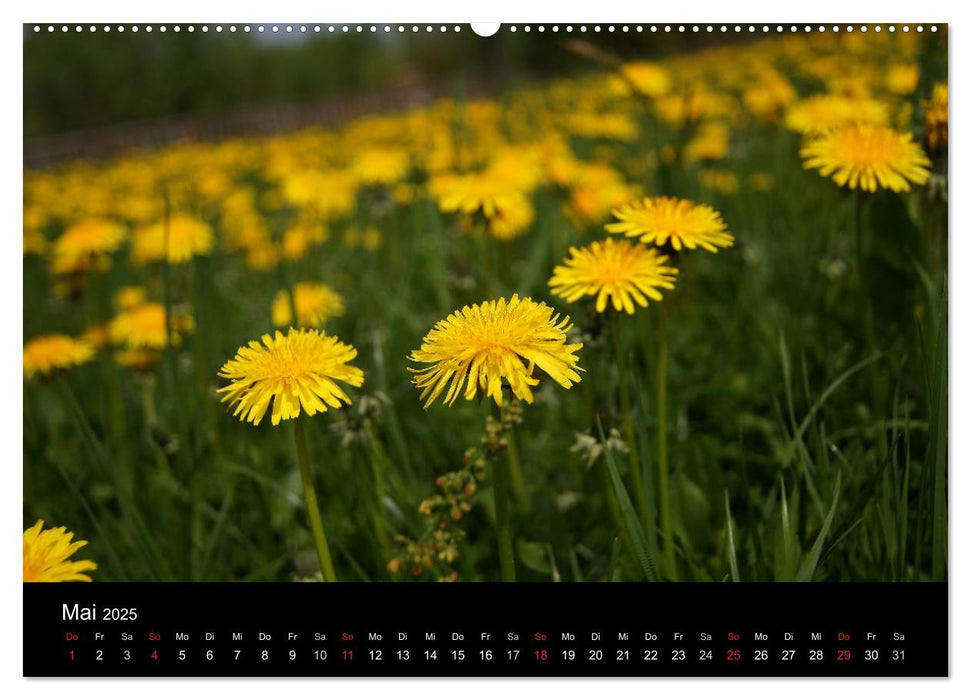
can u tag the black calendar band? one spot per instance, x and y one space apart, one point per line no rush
485 629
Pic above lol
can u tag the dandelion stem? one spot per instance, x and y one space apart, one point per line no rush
313 510
516 471
637 480
500 489
661 387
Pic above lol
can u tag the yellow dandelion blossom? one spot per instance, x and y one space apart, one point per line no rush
869 157
47 555
315 304
820 113
598 190
513 220
296 371
475 193
86 240
679 223
181 239
299 239
646 78
711 142
483 345
47 353
262 256
935 117
130 297
902 78
618 270
381 166
143 327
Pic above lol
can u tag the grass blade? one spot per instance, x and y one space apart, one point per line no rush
808 567
628 514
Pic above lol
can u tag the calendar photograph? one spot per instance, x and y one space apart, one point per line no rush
565 304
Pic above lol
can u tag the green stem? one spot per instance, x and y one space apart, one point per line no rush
516 471
627 416
500 489
661 387
313 510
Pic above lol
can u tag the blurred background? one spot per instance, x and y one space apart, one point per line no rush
164 86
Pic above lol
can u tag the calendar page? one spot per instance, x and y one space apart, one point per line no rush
466 350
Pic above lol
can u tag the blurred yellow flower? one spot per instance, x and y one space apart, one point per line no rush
46 353
87 239
47 556
293 372
709 143
597 190
821 113
679 223
143 326
513 219
483 345
902 78
298 239
618 270
475 193
179 240
646 78
316 303
129 297
869 157
381 166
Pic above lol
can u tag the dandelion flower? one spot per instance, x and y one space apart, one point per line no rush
647 78
47 556
902 78
143 327
86 240
130 297
475 193
869 157
46 353
179 240
381 166
820 113
293 371
669 220
482 345
513 220
710 143
315 304
619 270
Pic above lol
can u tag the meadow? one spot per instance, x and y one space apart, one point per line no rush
775 409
